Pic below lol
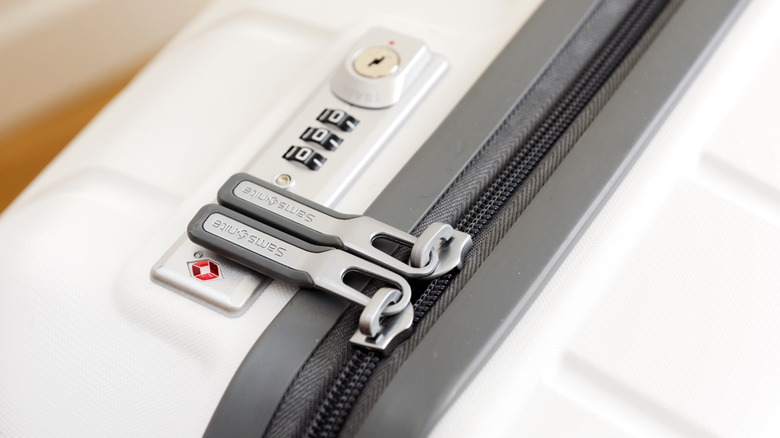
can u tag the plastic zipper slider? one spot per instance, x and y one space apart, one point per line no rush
437 251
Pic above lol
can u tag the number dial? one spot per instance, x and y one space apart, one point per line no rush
338 118
322 137
305 156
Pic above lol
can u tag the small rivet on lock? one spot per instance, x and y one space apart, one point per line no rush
284 180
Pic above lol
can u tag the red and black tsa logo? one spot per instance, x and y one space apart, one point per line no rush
205 270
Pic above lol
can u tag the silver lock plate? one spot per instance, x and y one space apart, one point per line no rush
208 278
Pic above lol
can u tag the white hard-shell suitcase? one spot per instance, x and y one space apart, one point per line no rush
624 283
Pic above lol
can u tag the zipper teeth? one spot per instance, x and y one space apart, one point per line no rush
563 114
338 402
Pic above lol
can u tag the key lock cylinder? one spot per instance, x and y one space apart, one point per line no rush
376 62
293 239
377 74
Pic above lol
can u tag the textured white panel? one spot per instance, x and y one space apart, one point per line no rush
749 141
705 346
554 415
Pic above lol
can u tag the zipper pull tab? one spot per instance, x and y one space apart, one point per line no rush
383 333
438 250
284 257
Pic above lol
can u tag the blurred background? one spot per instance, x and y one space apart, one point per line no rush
61 61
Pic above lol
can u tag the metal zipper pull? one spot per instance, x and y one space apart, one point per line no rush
438 250
382 333
287 258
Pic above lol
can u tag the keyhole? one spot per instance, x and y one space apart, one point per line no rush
375 62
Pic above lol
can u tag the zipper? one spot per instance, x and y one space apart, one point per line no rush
336 406
309 245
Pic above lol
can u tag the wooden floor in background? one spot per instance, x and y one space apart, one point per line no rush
25 151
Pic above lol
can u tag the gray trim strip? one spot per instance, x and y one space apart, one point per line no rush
498 295
253 394
460 136
262 379
251 398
